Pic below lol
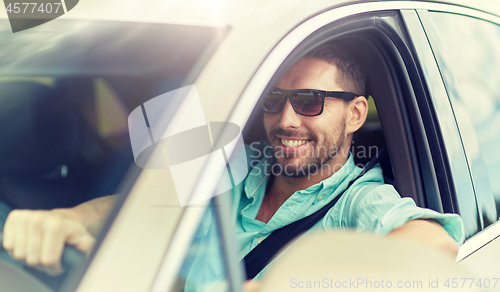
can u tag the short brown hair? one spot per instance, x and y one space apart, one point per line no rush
352 73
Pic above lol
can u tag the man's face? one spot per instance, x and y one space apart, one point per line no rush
303 144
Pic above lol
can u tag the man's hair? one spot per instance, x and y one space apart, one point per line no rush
351 72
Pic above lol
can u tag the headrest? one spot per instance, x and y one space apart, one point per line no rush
38 129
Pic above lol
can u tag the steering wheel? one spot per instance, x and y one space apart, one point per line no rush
16 276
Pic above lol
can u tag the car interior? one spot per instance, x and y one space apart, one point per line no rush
60 153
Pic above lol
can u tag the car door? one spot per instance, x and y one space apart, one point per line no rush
466 95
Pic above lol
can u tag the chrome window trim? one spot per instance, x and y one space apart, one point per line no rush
176 251
478 241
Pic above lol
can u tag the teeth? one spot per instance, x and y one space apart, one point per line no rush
293 143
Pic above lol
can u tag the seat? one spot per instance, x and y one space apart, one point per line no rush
39 135
367 143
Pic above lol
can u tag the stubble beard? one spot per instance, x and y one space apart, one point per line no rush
309 164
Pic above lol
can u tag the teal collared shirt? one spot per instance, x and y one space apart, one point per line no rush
368 205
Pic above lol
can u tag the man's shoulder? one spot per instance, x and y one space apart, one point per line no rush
372 182
373 175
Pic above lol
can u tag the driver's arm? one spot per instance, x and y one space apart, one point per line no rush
37 237
427 232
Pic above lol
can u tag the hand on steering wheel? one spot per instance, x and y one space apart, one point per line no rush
47 241
28 279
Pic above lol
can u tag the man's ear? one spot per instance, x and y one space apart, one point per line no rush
356 115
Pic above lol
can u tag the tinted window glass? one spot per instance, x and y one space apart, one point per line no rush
469 61
66 90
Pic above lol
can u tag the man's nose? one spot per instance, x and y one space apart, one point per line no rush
289 118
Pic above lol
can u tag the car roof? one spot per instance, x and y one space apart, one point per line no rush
222 12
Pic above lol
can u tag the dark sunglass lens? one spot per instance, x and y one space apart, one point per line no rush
273 102
308 103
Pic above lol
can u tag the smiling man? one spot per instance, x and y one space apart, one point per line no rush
310 117
309 130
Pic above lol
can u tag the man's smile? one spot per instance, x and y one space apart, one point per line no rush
293 145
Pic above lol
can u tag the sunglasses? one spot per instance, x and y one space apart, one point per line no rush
305 102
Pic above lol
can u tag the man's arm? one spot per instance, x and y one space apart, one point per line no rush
91 214
428 232
38 236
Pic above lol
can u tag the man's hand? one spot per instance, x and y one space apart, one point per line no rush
37 237
429 233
